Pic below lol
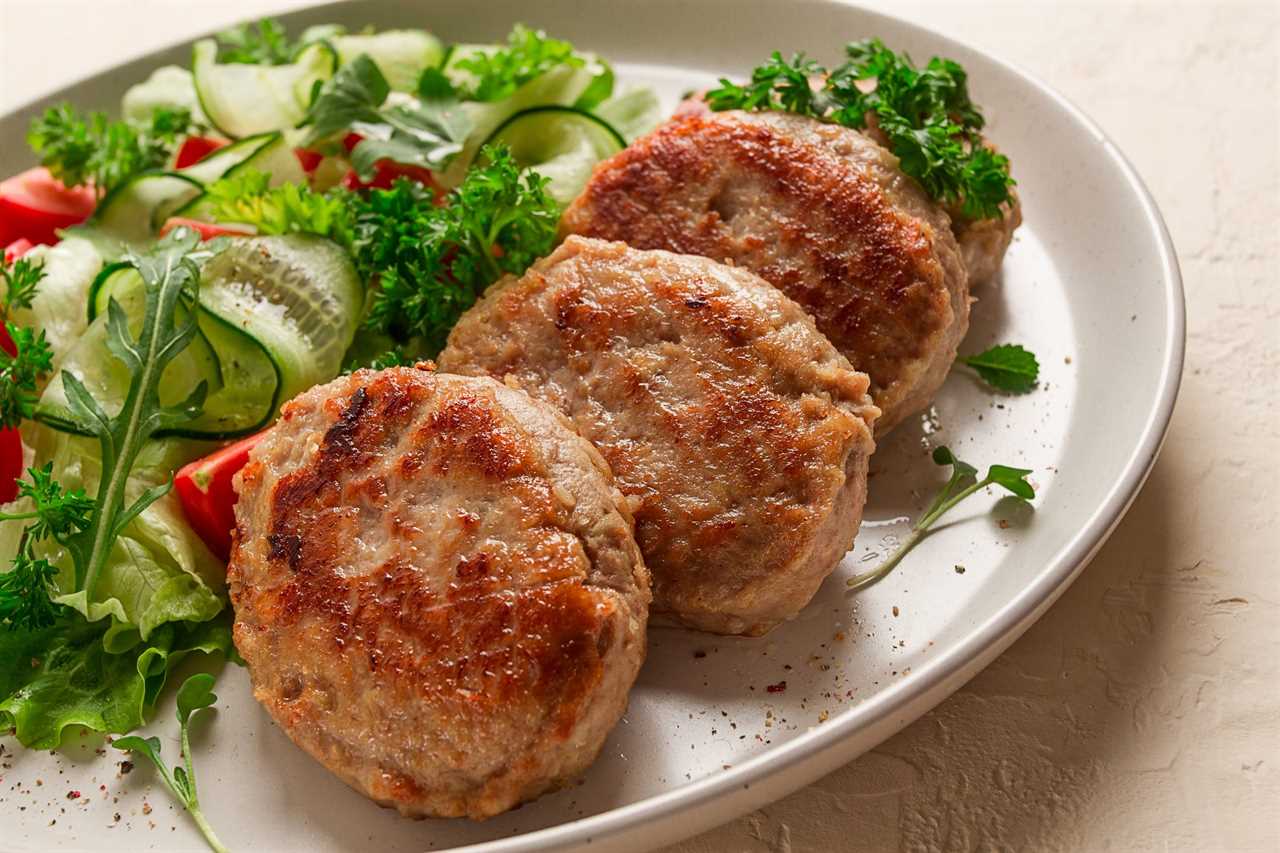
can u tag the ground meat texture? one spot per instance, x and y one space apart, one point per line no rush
436 590
739 431
818 210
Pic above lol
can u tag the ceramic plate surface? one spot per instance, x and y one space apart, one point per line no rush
1091 285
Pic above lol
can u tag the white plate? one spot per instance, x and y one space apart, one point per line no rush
1090 284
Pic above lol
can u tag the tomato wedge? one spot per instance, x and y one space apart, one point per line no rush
34 206
194 149
308 159
207 498
206 230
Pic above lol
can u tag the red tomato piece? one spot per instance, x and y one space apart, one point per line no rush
386 172
34 206
207 498
309 159
194 149
17 249
206 230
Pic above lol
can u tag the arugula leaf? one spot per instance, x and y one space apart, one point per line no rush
265 43
432 263
1007 367
528 54
170 277
63 676
962 483
428 134
926 116
194 694
88 149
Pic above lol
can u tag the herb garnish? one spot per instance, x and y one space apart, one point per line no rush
428 262
962 484
925 113
528 54
88 149
263 44
25 599
427 134
20 372
1007 367
432 263
194 694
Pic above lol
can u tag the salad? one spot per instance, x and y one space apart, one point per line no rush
281 211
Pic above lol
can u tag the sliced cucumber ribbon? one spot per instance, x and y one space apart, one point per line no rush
275 315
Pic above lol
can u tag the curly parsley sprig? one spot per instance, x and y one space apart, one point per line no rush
26 589
527 54
263 43
925 114
31 358
962 484
88 149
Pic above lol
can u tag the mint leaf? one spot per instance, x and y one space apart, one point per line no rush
1006 367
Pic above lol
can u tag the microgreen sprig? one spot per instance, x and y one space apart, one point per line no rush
195 693
962 484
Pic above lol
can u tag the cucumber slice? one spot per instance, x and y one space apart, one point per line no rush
561 143
107 378
128 213
168 86
134 211
633 113
274 157
401 55
243 100
559 87
298 295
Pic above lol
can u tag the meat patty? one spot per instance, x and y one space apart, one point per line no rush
739 430
820 211
436 589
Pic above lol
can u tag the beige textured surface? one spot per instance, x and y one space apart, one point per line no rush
1143 712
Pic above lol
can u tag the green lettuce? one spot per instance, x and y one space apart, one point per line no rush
63 676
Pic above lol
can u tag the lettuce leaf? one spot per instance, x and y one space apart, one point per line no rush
63 676
159 571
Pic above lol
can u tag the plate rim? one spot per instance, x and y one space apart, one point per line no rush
931 683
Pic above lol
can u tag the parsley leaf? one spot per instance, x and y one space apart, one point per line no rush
1007 367
195 694
263 44
88 149
20 373
20 282
25 589
962 483
926 116
428 134
432 263
247 198
528 54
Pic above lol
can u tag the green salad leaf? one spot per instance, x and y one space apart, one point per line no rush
427 134
1007 367
63 675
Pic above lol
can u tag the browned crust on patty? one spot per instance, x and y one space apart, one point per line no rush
436 592
739 431
819 211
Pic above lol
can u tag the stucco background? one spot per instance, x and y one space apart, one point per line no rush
1143 712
